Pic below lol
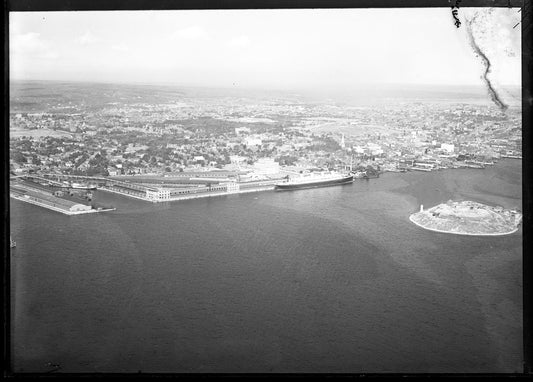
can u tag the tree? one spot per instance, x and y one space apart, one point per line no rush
36 160
287 160
18 157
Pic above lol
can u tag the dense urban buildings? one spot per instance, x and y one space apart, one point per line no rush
187 133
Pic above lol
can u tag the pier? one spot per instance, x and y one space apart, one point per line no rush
168 193
149 188
57 204
33 190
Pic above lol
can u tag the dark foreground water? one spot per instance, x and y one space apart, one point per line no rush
326 280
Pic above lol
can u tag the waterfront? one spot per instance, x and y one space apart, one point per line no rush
323 280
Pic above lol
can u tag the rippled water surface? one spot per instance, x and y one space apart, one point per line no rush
324 280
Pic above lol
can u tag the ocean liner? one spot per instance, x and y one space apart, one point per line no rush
79 186
312 180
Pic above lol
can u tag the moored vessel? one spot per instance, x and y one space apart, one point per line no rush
312 180
81 186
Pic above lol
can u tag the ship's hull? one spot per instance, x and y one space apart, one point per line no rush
83 187
325 183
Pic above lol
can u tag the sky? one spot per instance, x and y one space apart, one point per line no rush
269 49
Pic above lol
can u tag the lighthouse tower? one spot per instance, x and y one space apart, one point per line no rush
421 208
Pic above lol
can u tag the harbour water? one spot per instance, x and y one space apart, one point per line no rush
321 280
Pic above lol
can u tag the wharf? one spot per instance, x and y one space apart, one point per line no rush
213 194
54 207
129 195
206 194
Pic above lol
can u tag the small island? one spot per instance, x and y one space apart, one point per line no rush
468 218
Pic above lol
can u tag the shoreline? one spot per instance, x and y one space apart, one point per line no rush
460 233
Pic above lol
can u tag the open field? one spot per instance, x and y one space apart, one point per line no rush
347 128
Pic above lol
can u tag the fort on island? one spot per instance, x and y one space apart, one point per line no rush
468 218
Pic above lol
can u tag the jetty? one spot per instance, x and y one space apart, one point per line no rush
44 199
170 191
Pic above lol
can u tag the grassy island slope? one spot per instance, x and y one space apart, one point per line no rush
468 218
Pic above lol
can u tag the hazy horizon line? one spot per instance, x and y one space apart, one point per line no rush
253 88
